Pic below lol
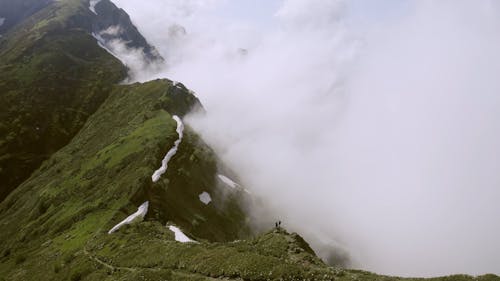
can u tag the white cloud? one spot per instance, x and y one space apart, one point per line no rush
140 67
380 137
114 30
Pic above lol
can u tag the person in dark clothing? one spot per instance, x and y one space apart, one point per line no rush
279 224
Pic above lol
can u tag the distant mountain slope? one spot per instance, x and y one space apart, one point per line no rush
14 12
53 76
118 25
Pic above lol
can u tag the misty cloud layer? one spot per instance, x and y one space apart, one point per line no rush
374 130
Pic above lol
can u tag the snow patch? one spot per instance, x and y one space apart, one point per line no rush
114 30
2 20
135 217
102 43
228 181
164 163
205 198
92 4
179 235
134 58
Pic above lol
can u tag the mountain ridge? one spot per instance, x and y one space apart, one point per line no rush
42 108
56 223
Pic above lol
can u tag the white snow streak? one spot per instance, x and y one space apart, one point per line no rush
101 42
228 181
92 5
164 163
114 30
205 198
135 217
2 20
179 235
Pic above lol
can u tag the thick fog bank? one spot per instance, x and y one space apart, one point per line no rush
371 128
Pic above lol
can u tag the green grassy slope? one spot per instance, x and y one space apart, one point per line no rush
99 143
52 78
104 173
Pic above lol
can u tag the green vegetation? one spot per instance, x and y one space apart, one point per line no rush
77 152
272 256
52 78
104 173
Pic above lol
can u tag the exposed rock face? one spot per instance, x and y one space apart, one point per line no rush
113 23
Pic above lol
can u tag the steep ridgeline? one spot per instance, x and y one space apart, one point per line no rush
53 76
86 191
110 23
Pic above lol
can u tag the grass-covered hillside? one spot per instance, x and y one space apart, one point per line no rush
103 181
104 174
53 76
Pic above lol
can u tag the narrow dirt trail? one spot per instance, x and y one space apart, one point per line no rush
107 265
137 269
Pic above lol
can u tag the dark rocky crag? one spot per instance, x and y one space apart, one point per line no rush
109 16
